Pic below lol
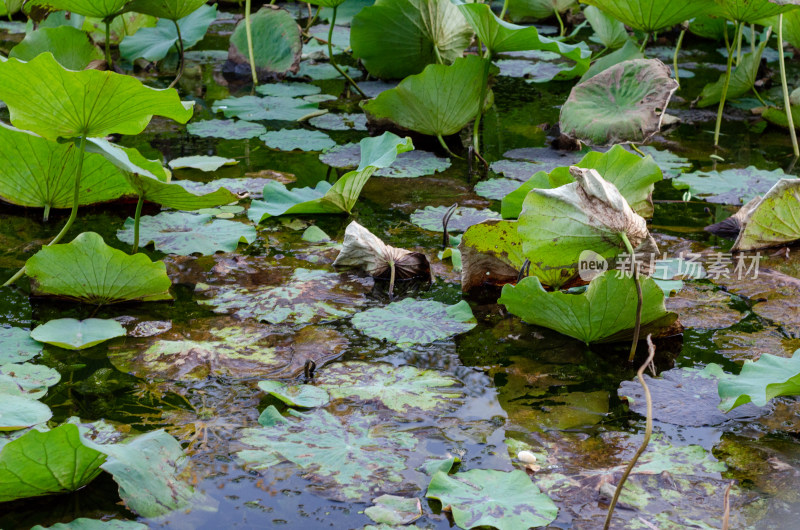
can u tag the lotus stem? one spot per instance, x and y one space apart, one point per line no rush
249 30
503 11
726 507
740 34
108 43
644 42
675 56
46 215
725 87
647 433
444 145
786 103
638 324
72 215
633 146
136 221
182 63
333 61
312 19
562 30
391 279
476 130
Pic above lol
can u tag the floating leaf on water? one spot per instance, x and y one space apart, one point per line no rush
671 392
19 412
394 510
398 38
484 497
404 389
363 250
253 186
314 234
309 296
302 396
622 104
17 346
410 164
496 189
325 71
264 108
749 346
421 102
652 15
185 233
772 221
701 307
288 89
760 381
671 165
277 44
238 350
71 47
412 321
605 312
45 463
82 523
89 270
27 380
155 43
731 186
491 254
431 217
201 162
291 139
520 170
348 458
73 334
227 129
340 122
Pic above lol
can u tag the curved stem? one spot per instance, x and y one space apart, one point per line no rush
72 215
562 30
108 43
249 31
638 324
675 57
503 11
333 61
444 145
647 433
391 279
725 88
312 19
181 64
644 42
476 133
787 105
633 146
136 219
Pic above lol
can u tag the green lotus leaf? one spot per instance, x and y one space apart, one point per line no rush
485 497
652 15
750 11
155 43
291 139
730 186
348 458
608 31
496 189
633 176
605 312
622 104
27 380
185 233
20 412
264 108
122 26
16 345
773 220
75 334
500 37
148 471
519 10
88 8
491 253
440 101
254 186
303 396
410 164
45 463
628 52
394 510
404 389
129 162
82 523
169 9
240 350
308 297
430 218
557 225
671 165
227 129
760 381
376 153
71 47
202 162
325 71
9 7
742 80
288 89
340 122
410 321
53 102
89 270
277 43
398 38
39 173
327 3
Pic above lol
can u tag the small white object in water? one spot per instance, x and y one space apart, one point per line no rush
526 457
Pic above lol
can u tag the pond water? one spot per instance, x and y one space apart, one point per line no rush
518 387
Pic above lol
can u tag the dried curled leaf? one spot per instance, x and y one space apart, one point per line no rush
365 251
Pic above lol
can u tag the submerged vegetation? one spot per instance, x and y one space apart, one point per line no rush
399 263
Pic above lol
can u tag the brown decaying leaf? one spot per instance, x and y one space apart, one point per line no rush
363 250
